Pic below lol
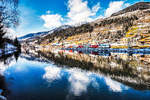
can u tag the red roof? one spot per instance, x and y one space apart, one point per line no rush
94 46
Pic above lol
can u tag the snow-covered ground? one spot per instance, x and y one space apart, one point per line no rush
10 33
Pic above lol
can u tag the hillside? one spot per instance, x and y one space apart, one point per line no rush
137 6
31 35
38 35
130 27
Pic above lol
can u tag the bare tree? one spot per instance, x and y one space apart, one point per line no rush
8 17
9 12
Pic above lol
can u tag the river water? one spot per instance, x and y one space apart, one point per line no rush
30 78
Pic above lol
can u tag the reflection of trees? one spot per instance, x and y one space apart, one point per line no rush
3 87
9 57
6 59
125 71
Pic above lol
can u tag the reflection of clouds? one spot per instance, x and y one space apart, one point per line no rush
78 79
52 73
114 86
2 98
3 67
95 84
79 82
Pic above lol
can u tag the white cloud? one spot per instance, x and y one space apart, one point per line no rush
48 12
127 4
80 12
96 8
52 20
114 7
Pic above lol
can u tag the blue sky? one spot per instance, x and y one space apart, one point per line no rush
43 15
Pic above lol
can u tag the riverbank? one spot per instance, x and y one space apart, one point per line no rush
131 70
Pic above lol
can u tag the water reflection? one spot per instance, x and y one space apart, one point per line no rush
79 80
43 81
130 70
6 61
74 76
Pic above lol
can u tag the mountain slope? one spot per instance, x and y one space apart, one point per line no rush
137 6
31 35
130 27
39 34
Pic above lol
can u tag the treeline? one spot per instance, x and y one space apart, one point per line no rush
15 42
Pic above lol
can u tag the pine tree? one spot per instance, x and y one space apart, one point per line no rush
16 43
